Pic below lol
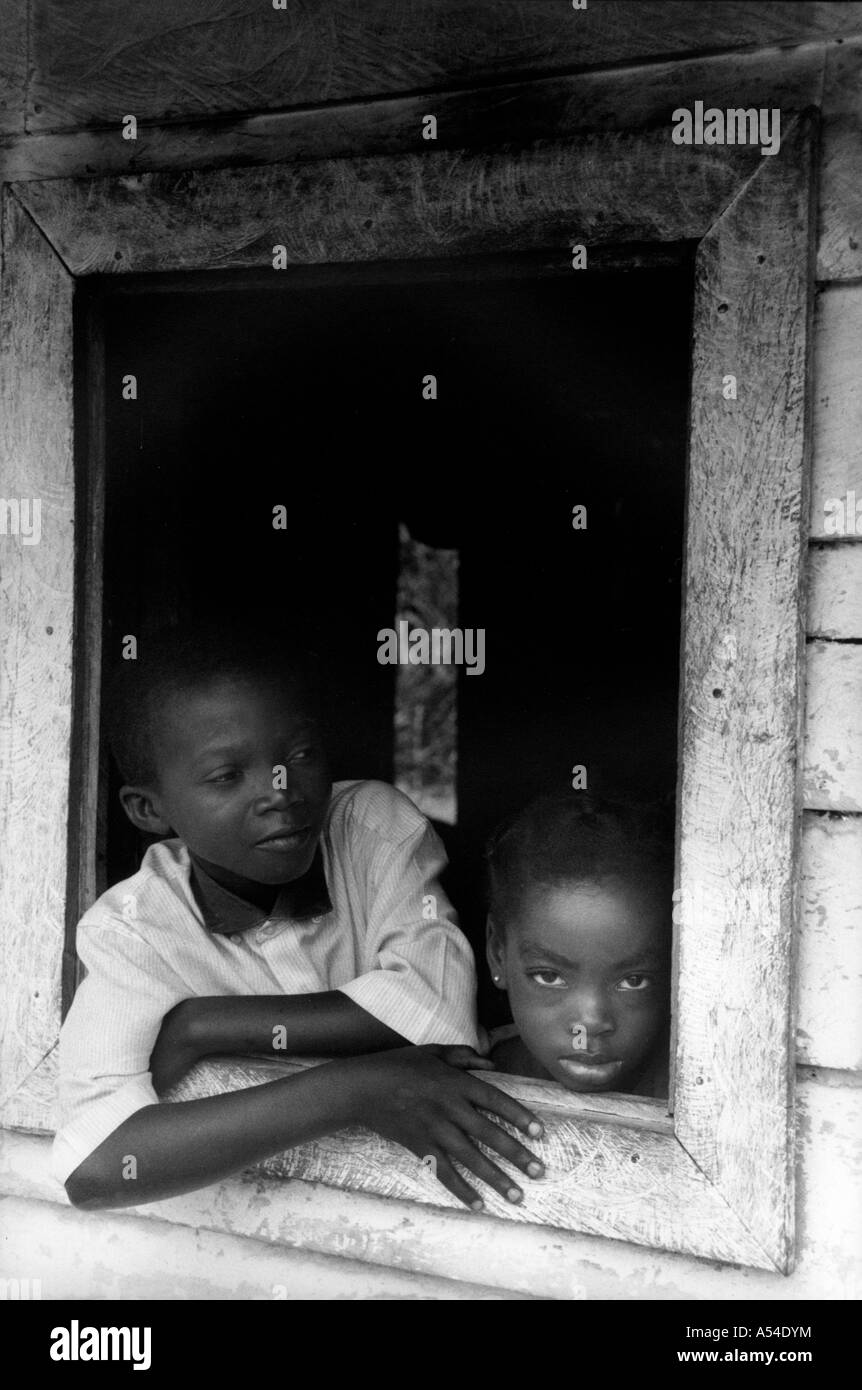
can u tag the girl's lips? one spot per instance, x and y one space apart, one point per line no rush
582 1067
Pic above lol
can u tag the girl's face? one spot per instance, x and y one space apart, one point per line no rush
585 966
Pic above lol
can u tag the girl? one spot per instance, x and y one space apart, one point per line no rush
579 937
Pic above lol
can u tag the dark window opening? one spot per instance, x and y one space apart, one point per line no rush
553 392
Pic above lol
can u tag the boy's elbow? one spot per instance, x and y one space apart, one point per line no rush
83 1201
78 1196
87 1192
82 1195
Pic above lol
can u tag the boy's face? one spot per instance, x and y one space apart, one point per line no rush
215 751
588 956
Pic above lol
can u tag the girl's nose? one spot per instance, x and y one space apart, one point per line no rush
590 1011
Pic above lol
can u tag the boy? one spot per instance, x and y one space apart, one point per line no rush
579 937
282 907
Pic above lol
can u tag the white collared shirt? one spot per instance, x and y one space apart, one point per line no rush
391 943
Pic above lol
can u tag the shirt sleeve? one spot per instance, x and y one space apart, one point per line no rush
107 1039
420 976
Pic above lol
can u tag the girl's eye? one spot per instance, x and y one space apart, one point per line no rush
635 982
228 775
550 979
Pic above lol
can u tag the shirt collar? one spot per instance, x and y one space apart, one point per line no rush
225 913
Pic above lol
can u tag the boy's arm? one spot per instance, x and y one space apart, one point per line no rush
418 984
419 974
325 1024
422 1098
110 1115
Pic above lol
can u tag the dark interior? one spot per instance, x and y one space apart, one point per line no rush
305 390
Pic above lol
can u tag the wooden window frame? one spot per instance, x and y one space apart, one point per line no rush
714 1178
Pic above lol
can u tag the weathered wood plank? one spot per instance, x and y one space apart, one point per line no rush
36 602
624 1180
605 187
837 443
544 107
740 695
632 1112
541 108
829 1022
13 65
840 251
835 590
33 1106
548 1263
77 1256
98 60
562 1264
833 730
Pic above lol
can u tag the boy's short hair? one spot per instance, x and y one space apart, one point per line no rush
577 838
172 660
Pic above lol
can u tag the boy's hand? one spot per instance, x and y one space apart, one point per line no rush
423 1098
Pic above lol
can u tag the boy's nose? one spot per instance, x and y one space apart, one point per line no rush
269 797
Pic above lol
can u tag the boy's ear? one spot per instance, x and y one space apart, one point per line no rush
495 953
143 811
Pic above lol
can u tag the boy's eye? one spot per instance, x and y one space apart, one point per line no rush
303 754
550 979
637 981
227 774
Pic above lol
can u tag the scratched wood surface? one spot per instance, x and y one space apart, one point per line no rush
96 60
837 400
13 66
840 249
36 599
539 107
604 187
490 115
827 74
33 1105
624 1180
740 709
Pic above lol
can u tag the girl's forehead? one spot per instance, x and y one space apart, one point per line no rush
590 914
